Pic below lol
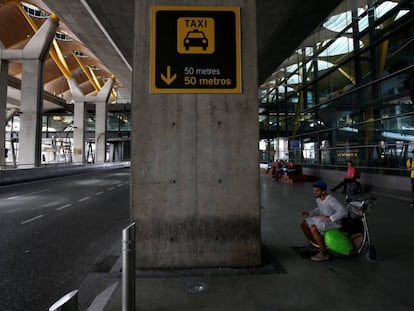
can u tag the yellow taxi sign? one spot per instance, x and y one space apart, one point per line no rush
195 35
195 50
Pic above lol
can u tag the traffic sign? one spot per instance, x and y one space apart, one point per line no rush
195 49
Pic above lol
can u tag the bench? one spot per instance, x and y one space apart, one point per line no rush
294 174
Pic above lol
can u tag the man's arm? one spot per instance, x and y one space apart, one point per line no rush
340 210
313 212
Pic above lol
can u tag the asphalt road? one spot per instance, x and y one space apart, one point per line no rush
52 232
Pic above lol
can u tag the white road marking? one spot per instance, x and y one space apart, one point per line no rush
119 185
112 188
62 207
51 204
84 199
24 194
31 219
99 193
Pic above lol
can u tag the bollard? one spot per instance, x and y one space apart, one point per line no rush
128 268
69 302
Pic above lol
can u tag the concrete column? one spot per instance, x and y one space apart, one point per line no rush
100 131
4 68
195 161
30 135
32 56
101 101
79 133
78 122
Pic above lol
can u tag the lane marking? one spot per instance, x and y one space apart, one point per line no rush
119 185
84 199
63 207
110 189
24 194
31 219
51 204
99 193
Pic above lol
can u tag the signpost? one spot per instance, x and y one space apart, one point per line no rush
195 50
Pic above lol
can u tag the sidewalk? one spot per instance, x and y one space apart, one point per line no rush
286 281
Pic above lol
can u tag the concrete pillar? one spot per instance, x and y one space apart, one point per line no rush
79 133
78 122
100 100
195 160
100 119
30 135
32 56
4 68
100 131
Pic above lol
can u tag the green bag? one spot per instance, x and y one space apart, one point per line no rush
338 241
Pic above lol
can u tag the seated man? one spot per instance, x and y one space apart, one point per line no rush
280 169
351 177
327 215
291 169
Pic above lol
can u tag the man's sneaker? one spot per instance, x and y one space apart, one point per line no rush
320 257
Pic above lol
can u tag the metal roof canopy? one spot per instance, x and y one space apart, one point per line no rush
281 27
106 29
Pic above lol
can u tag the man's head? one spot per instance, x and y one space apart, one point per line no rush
350 163
319 188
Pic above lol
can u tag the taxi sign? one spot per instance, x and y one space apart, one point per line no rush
195 49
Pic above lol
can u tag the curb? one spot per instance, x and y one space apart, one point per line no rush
100 302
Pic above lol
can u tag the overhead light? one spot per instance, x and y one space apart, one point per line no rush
80 54
34 11
62 36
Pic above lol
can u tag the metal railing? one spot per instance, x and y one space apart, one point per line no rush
128 268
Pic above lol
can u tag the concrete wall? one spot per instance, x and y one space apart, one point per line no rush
194 173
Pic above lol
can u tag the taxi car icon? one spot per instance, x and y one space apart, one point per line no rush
195 38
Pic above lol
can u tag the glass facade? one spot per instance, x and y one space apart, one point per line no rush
57 136
347 92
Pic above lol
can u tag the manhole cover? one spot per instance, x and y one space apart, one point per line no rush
198 287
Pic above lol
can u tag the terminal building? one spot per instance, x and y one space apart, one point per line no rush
331 86
197 96
344 93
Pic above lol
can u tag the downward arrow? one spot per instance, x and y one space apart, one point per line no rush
169 79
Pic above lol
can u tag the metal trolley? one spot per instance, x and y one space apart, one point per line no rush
356 225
